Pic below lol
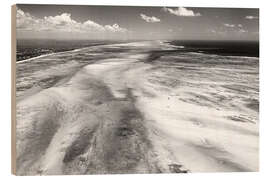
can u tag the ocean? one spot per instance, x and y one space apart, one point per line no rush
29 48
152 106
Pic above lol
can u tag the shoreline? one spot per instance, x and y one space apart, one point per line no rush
77 49
44 55
165 42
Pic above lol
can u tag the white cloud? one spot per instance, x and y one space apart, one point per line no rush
243 31
62 19
252 17
181 11
92 25
229 25
62 23
237 27
152 19
115 28
25 20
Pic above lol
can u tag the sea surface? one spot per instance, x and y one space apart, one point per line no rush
139 107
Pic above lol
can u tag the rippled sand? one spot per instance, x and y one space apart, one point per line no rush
142 107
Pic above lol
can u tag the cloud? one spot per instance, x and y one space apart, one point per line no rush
213 31
62 19
152 19
229 25
115 28
181 11
243 31
236 28
251 17
61 23
92 25
25 20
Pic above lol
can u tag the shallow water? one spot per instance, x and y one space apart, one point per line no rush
141 107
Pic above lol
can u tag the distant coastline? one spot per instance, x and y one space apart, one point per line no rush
28 50
31 48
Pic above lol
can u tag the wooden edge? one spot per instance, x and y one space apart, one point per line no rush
13 89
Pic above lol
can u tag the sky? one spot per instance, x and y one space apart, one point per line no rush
133 22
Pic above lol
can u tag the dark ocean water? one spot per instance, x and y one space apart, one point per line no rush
227 48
